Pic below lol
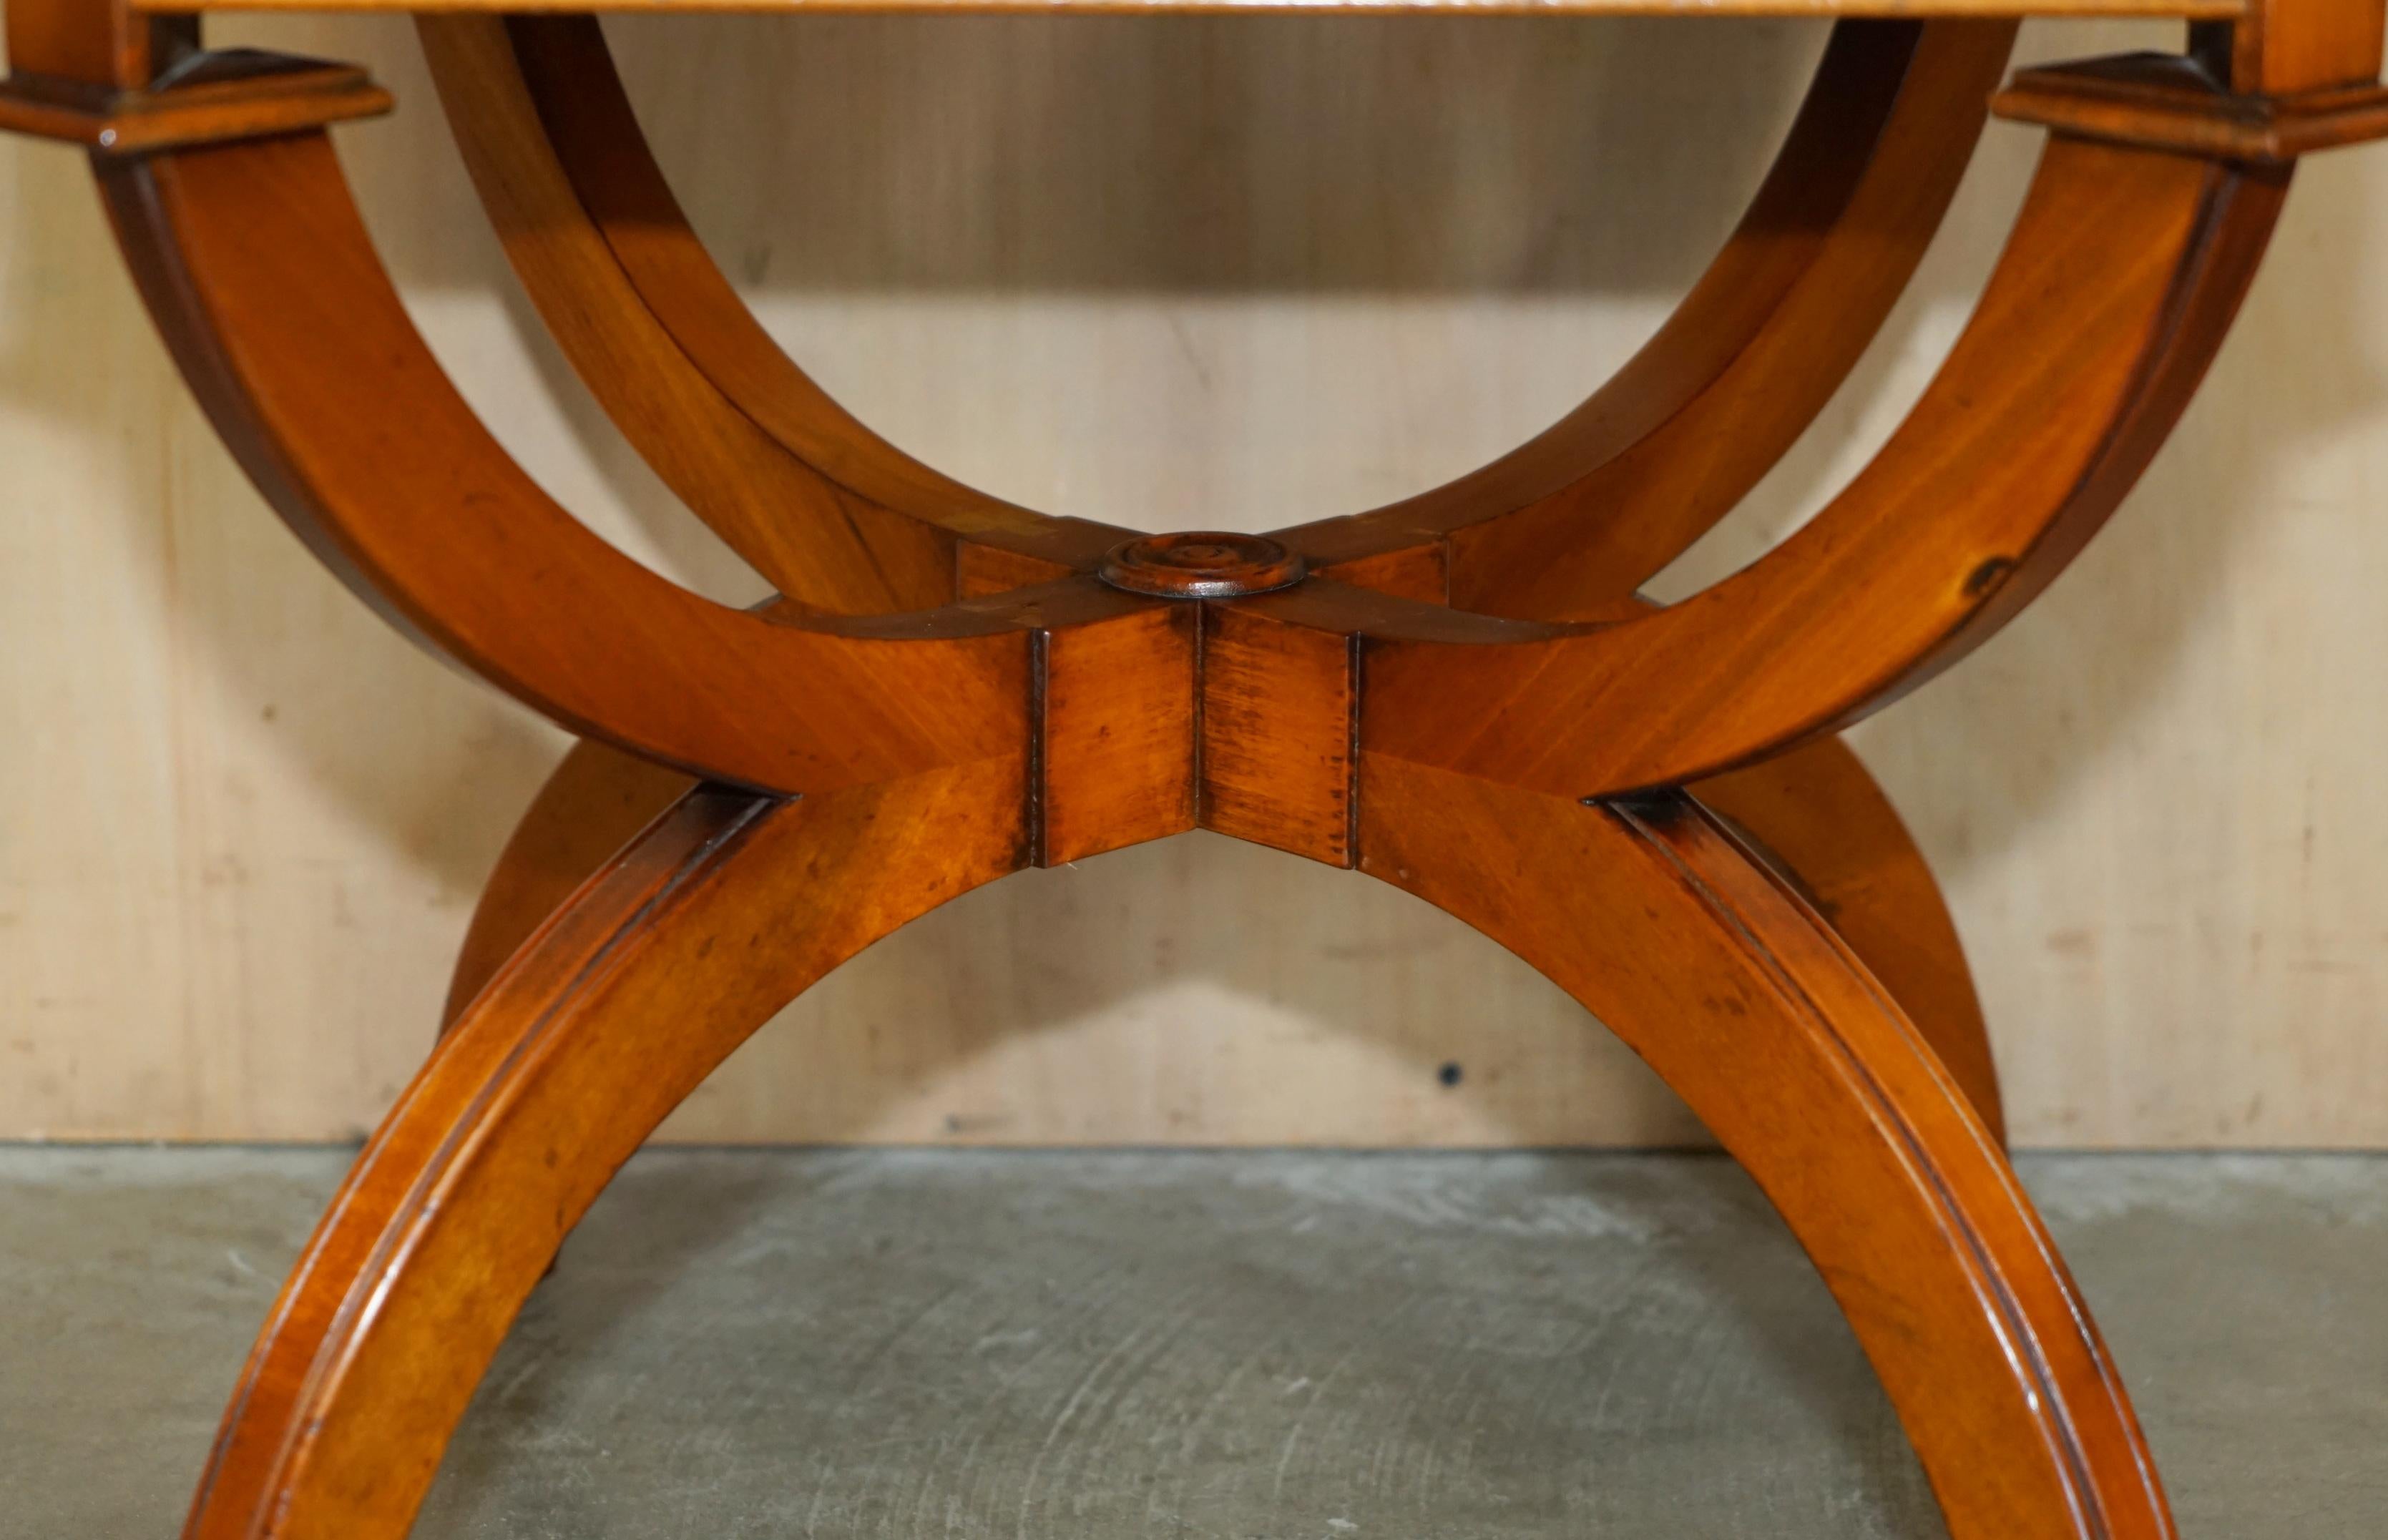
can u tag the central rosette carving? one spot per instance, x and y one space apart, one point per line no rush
1201 564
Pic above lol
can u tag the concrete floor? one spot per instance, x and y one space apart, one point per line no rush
1258 1346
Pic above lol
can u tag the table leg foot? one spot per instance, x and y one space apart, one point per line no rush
1694 951
726 907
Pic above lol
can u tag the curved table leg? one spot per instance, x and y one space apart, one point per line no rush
1816 812
1715 971
726 908
1822 820
592 805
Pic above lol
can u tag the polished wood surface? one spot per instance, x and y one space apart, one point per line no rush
619 1004
1806 1069
2125 268
1823 825
832 515
2207 9
2286 47
220 96
2162 102
1464 696
820 545
1571 523
101 45
253 255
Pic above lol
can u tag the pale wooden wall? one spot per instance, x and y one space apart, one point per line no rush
1176 273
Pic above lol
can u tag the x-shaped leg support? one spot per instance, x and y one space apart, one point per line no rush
1459 694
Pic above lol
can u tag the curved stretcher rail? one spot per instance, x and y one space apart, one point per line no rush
2126 267
261 274
607 253
1574 520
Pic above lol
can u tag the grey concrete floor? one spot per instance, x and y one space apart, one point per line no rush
1261 1347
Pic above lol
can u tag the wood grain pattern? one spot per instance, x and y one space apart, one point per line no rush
221 97
96 43
2217 9
1421 572
2126 267
2178 104
1279 705
564 72
725 910
1524 775
595 803
2287 47
1793 1054
256 263
1573 520
1116 731
1824 823
2150 807
1815 813
819 543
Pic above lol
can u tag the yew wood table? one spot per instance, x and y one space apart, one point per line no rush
1459 694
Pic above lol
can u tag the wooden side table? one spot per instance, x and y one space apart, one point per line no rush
1459 694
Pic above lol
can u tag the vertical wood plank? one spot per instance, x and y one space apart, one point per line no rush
1278 705
1118 749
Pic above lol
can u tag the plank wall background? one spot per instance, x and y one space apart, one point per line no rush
1174 273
